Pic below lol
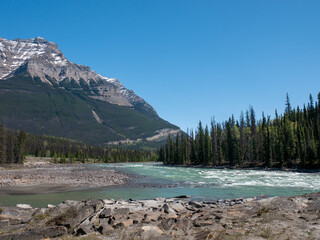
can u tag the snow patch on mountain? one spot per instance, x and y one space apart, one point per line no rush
43 59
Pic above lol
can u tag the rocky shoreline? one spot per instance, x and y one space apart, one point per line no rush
40 178
163 219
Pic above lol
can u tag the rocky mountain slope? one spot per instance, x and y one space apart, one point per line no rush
44 93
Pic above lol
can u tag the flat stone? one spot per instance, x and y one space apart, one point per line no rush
201 223
150 204
49 232
121 211
167 224
105 213
151 216
160 199
177 207
24 206
105 228
96 204
81 215
4 224
51 206
167 209
71 202
108 201
195 204
152 228
85 227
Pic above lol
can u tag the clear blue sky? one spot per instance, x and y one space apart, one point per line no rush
190 60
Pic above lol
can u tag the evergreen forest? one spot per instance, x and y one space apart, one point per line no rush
15 145
290 140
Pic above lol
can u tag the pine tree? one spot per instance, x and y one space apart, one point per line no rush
288 105
177 155
214 143
21 144
201 149
253 129
10 147
3 144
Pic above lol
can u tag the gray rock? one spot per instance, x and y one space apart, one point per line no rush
71 202
37 233
121 211
160 199
195 204
4 224
167 209
167 224
108 201
106 213
153 204
85 227
151 232
96 204
177 207
24 206
50 232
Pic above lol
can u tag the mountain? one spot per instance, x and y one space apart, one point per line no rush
43 93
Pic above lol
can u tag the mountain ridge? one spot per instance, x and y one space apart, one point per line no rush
37 67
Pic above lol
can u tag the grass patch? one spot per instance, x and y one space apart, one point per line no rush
63 218
40 217
264 209
266 233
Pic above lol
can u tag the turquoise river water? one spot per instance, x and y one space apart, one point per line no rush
155 180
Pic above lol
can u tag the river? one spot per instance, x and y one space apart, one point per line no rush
155 180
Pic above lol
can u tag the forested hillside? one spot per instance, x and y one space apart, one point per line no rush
291 139
15 145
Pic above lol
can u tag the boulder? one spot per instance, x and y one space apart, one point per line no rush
37 233
24 206
108 201
106 213
167 209
177 207
195 204
50 232
4 224
167 224
151 204
150 232
121 211
96 204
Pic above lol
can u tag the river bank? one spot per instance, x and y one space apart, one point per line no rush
44 177
251 219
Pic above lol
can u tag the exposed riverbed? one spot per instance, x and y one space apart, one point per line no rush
155 180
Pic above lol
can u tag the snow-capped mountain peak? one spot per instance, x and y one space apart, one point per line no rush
41 58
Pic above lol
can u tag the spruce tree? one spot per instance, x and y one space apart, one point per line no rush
20 149
288 105
201 149
10 147
3 144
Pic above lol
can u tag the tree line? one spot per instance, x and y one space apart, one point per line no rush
15 145
291 139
